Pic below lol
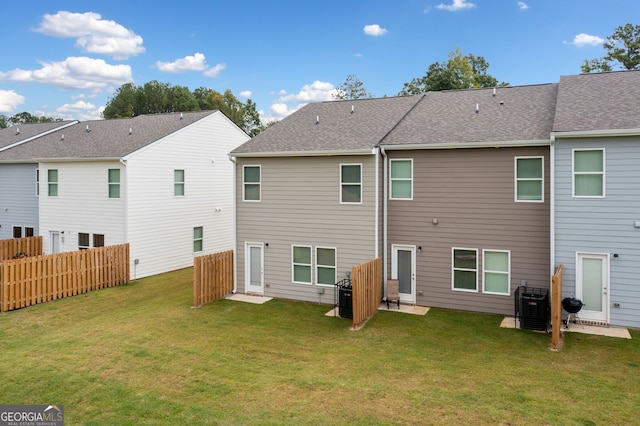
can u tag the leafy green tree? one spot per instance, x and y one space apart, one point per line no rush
179 98
124 103
623 50
4 122
352 88
459 72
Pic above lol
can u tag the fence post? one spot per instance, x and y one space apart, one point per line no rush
556 312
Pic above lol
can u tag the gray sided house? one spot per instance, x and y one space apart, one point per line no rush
596 211
162 183
19 181
467 197
451 189
308 197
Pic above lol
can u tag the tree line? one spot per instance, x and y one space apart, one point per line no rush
459 71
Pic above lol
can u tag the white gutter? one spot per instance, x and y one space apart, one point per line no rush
459 145
38 135
384 220
595 133
235 227
303 153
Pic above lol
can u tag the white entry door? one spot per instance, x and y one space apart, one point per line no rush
403 269
54 242
254 268
592 286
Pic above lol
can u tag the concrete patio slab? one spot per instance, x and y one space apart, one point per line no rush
249 298
621 332
404 309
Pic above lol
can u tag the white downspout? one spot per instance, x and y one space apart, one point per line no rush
235 228
377 204
384 220
552 210
126 216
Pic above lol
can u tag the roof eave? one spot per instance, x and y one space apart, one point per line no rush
596 133
460 145
369 151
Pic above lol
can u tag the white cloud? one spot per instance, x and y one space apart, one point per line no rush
318 91
214 71
374 30
93 34
9 100
245 93
196 62
583 39
522 5
456 5
75 73
79 111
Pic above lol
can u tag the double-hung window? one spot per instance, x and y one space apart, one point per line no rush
401 177
529 179
83 241
17 232
326 265
496 270
465 269
178 183
301 256
114 183
351 183
98 240
198 238
52 182
588 173
251 176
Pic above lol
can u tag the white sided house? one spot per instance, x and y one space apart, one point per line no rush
18 181
163 183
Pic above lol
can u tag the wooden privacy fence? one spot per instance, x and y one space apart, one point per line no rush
366 290
212 277
556 307
38 279
20 247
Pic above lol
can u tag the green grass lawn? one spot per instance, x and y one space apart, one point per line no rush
139 354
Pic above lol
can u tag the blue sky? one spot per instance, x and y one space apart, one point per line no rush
65 59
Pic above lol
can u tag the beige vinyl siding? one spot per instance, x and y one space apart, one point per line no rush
300 205
471 194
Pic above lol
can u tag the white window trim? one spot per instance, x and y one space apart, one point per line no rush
183 183
293 264
259 183
113 184
56 183
193 243
485 270
37 182
335 267
516 180
603 173
391 179
341 184
453 269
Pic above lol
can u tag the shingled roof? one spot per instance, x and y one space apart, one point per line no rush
458 117
23 132
334 126
103 139
598 102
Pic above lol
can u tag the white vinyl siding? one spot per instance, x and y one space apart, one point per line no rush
401 177
52 182
326 265
588 173
178 183
496 269
529 173
301 264
114 183
464 263
351 183
252 184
